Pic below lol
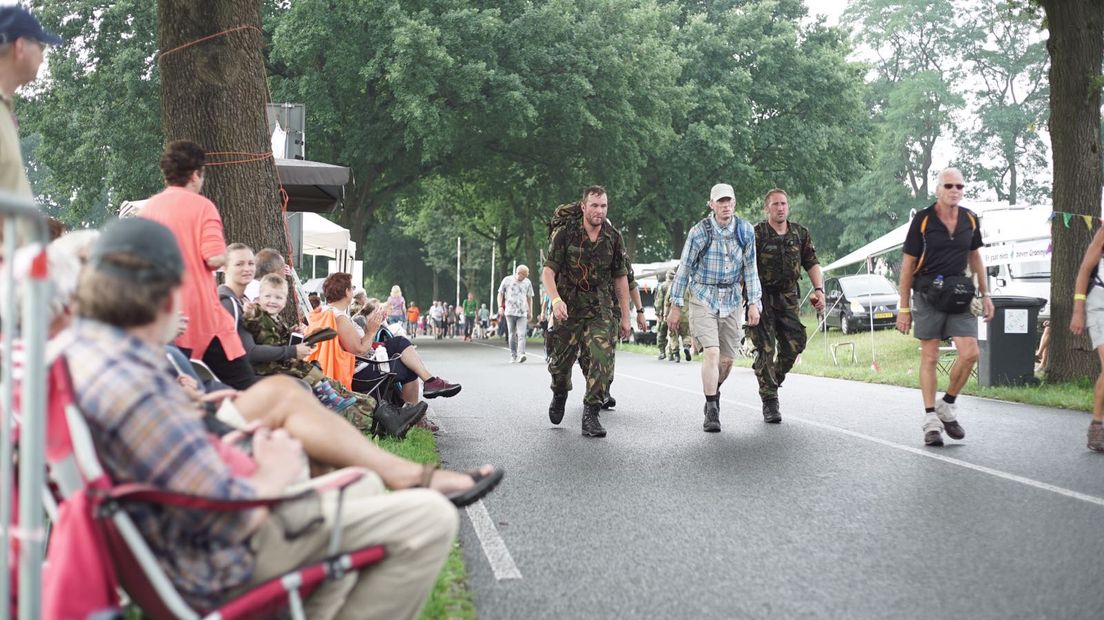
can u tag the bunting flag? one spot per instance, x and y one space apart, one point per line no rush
1089 220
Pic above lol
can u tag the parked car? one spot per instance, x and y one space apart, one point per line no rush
852 299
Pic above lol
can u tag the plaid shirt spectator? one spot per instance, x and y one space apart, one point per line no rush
146 430
715 280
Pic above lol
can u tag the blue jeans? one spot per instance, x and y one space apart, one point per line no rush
517 326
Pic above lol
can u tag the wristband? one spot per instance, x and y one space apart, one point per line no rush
1078 297
557 301
817 288
640 310
904 310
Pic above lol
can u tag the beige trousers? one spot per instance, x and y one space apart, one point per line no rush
416 527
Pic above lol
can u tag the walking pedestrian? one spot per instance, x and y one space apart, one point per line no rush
515 303
718 260
662 300
1088 312
22 45
583 259
783 249
471 306
942 240
634 299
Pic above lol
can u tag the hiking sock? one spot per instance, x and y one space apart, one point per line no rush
714 398
1097 422
929 409
949 398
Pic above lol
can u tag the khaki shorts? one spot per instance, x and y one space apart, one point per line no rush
931 324
711 330
1094 316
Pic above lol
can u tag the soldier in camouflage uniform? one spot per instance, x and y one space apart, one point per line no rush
663 291
634 297
585 263
783 249
673 336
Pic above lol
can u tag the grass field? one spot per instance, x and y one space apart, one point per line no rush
892 358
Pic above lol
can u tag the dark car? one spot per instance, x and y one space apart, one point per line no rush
852 299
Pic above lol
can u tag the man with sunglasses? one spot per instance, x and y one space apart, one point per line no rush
584 272
941 242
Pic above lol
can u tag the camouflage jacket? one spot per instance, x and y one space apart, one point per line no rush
663 294
782 258
585 270
267 329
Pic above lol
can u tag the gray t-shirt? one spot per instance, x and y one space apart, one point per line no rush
516 294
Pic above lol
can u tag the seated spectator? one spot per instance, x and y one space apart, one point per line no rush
266 261
146 432
314 300
352 341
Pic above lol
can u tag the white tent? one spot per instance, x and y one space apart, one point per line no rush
322 237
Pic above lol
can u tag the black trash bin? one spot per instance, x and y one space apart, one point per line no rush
1007 343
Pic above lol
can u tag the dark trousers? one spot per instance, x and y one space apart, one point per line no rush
237 373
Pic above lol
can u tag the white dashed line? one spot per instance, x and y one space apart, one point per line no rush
502 563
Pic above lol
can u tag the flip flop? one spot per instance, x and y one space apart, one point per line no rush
484 484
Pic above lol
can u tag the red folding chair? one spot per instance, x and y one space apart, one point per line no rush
89 496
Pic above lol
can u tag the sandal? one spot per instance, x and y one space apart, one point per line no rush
484 484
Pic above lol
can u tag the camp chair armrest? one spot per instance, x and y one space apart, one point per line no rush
370 360
145 493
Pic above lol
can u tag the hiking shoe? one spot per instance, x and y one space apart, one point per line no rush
946 413
771 414
933 430
712 422
610 403
439 387
521 359
513 360
591 426
686 352
390 421
556 409
1096 437
675 357
662 355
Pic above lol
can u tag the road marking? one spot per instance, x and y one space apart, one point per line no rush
498 556
1092 499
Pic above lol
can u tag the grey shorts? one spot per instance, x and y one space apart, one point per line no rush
931 324
712 330
1094 316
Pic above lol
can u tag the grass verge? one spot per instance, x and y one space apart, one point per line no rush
894 359
451 598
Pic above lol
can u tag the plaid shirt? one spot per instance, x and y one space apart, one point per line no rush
147 430
725 263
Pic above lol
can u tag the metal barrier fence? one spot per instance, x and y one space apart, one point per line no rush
24 271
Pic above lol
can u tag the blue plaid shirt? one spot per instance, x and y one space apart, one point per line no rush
715 281
147 430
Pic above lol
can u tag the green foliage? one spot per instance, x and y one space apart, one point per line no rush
98 115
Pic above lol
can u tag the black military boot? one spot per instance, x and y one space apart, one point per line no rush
610 403
591 426
712 422
662 354
391 421
556 409
771 414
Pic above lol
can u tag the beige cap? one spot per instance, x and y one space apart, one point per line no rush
721 190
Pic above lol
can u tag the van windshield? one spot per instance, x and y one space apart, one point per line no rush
867 285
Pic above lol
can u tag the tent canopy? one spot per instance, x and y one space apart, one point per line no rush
321 236
312 186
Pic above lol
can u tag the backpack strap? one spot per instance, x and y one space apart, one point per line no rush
924 236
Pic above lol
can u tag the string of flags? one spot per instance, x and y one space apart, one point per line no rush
1066 217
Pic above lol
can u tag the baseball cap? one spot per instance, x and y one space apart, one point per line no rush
721 190
150 242
17 22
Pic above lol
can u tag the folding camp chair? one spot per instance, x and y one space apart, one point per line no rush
78 475
385 387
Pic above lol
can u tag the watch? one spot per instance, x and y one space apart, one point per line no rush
640 310
817 288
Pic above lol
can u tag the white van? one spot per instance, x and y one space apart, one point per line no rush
1017 252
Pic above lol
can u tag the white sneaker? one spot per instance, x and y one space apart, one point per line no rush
513 360
521 359
932 423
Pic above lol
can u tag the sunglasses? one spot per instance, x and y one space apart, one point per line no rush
953 186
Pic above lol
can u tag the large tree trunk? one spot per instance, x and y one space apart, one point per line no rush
214 93
1076 48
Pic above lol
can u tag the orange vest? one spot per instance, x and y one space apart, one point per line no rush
336 362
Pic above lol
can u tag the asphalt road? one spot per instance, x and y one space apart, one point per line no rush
839 512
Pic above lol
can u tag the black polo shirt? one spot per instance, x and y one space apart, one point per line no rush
945 253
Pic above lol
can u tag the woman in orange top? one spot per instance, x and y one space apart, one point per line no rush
412 315
211 334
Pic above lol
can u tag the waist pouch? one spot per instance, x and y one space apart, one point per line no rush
953 297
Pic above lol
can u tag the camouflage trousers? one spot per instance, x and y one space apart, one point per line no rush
683 332
661 334
359 415
778 338
567 340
